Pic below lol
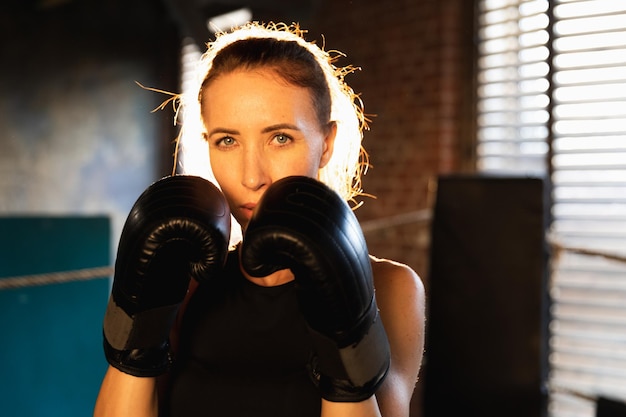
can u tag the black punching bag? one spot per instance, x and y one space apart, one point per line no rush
487 299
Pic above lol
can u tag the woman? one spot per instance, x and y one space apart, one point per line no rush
272 106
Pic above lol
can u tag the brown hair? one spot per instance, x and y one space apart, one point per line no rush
294 64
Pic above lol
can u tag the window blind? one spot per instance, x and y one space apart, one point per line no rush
552 102
512 87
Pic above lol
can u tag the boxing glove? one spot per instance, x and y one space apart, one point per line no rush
178 229
303 225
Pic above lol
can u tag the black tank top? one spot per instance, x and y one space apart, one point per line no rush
243 352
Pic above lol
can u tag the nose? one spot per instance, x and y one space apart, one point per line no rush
255 172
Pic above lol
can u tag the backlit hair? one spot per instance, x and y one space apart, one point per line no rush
348 161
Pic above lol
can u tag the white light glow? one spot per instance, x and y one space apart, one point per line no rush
227 21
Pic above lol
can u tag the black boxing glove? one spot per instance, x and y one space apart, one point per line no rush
178 228
303 225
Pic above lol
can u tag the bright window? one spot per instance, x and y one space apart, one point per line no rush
552 102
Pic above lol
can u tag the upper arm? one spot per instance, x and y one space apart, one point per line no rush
401 301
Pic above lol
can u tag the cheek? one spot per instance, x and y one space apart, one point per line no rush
315 160
303 164
220 171
307 162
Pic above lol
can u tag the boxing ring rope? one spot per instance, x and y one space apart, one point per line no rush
55 277
417 216
558 249
425 216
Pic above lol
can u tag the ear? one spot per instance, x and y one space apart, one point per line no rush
329 144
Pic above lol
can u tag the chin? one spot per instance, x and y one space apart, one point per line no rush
243 224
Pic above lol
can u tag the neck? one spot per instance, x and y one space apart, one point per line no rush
277 278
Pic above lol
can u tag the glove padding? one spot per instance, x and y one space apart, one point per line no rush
178 228
303 225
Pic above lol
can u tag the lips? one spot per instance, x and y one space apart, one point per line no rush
247 209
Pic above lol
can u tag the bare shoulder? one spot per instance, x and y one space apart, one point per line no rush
395 276
399 290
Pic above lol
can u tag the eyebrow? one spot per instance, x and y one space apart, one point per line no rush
222 130
268 129
280 126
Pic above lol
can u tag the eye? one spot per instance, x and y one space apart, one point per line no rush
282 139
225 141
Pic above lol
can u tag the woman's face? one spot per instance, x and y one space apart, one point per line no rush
260 129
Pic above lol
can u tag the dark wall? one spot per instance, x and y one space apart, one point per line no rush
76 133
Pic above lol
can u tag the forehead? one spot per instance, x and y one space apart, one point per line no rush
253 93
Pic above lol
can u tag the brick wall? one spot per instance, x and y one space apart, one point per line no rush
416 78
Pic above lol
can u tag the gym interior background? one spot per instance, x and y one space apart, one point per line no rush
79 142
